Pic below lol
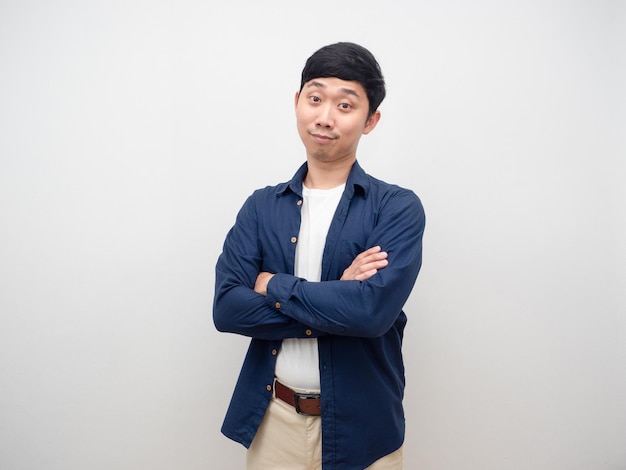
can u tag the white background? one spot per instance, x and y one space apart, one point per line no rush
132 131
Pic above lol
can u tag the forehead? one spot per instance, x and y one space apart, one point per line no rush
336 86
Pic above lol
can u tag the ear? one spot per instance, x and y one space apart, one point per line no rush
295 100
371 122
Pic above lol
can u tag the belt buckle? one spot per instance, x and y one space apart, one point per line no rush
303 396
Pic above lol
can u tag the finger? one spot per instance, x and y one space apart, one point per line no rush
374 258
366 275
373 265
372 250
368 252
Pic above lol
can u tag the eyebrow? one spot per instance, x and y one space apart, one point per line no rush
345 90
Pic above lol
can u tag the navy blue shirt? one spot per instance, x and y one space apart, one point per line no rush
359 325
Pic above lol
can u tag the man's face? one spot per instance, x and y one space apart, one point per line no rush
332 115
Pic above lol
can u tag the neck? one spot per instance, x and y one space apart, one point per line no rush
325 175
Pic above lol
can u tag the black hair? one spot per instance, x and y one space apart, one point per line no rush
350 62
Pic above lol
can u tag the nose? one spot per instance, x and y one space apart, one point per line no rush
325 118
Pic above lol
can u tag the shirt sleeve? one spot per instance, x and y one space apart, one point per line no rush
237 308
368 308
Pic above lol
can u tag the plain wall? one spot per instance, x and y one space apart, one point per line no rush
132 131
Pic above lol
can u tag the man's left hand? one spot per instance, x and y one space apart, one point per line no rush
260 286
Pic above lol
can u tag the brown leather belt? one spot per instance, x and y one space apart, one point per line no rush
305 403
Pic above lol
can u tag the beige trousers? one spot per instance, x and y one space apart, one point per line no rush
289 441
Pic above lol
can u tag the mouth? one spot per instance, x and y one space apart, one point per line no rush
322 138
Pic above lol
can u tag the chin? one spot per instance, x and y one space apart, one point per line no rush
321 155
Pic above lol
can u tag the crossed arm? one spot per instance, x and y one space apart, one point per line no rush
364 266
276 305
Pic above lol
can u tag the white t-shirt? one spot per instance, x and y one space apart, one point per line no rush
297 364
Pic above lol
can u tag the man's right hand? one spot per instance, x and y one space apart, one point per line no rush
366 264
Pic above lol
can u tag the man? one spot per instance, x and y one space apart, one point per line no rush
316 271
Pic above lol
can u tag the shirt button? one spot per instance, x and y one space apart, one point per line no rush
274 352
299 202
294 239
269 388
308 332
277 304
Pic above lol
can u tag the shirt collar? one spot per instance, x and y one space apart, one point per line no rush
356 179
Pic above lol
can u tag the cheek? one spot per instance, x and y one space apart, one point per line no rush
353 130
302 119
302 129
301 125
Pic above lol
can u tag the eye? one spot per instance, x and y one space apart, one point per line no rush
345 106
315 99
